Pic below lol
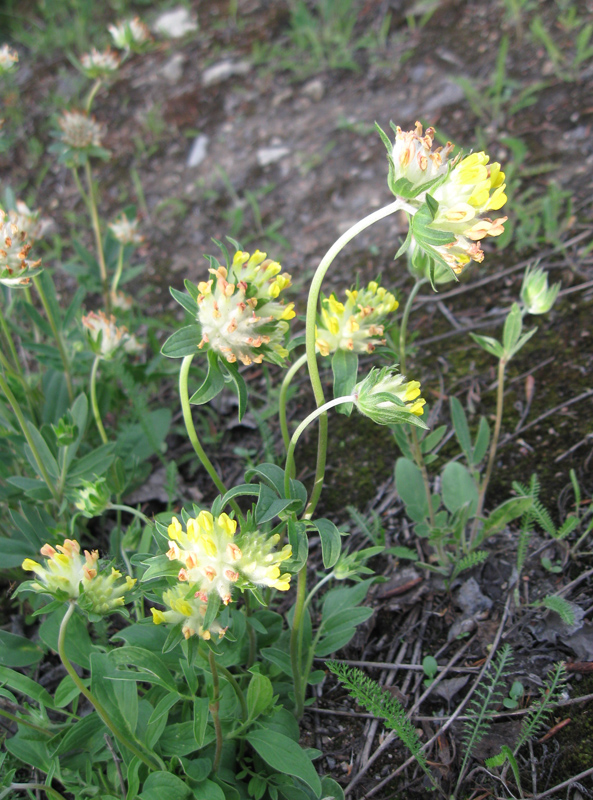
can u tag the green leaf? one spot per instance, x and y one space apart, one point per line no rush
20 683
489 344
208 790
345 369
186 301
201 714
14 551
513 326
183 342
164 786
433 438
93 465
278 657
78 735
331 541
240 387
150 667
461 427
522 341
459 488
331 789
503 514
32 752
16 651
284 755
260 694
48 461
78 643
410 486
213 382
482 441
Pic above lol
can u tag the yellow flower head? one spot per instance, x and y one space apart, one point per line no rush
414 159
212 558
387 398
356 325
15 268
65 569
187 607
106 338
239 311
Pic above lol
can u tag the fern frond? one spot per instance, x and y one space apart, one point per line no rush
568 526
523 545
542 516
551 694
469 561
378 702
481 710
562 607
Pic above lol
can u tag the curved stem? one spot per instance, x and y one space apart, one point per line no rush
91 96
193 436
25 429
493 446
92 205
289 470
312 304
118 270
8 336
94 404
237 689
295 643
282 399
21 721
403 329
416 449
57 335
214 707
317 587
132 747
130 510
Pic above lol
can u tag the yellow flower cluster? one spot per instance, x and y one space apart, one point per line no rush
356 325
214 560
15 268
106 338
69 575
414 158
239 313
473 187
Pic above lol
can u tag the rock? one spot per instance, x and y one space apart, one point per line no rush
173 69
445 94
175 23
224 70
198 150
314 89
271 155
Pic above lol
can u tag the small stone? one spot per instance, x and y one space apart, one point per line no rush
314 89
446 93
224 70
175 23
271 155
198 150
173 69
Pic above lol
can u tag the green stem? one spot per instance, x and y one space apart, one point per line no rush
416 449
283 394
214 707
94 404
21 721
193 436
300 685
92 205
290 469
91 96
312 305
251 634
493 446
57 335
25 429
16 366
130 510
132 747
403 329
118 270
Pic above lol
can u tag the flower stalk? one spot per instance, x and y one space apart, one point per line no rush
57 335
94 403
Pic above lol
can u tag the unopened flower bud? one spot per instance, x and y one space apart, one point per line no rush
537 297
387 398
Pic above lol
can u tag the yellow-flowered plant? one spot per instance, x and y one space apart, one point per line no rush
239 313
68 575
188 609
386 397
213 559
106 338
16 270
356 325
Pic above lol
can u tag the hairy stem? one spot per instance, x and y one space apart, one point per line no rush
193 436
57 335
300 682
312 304
214 708
132 746
94 403
283 394
493 446
94 214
